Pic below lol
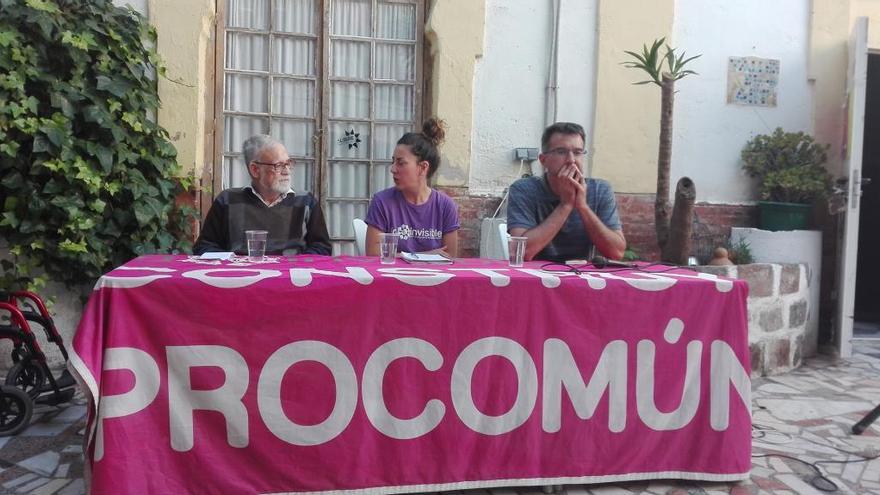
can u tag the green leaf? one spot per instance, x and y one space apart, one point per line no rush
13 181
6 38
116 87
73 247
41 144
10 220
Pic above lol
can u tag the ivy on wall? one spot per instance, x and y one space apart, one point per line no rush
87 179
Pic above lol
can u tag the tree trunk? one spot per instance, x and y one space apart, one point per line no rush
681 228
664 158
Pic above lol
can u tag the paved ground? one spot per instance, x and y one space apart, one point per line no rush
802 442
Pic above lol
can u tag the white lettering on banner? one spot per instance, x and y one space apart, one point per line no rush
562 372
725 371
651 283
146 387
593 280
549 280
301 277
526 378
690 400
117 282
497 279
374 400
225 399
236 282
420 277
269 392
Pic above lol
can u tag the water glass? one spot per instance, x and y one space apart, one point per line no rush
388 247
256 244
517 250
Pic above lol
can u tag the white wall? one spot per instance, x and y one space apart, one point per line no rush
510 97
709 133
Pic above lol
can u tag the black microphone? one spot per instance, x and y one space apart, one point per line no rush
602 262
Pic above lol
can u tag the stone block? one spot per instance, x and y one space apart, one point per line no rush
798 354
770 320
778 355
759 277
756 356
797 314
790 281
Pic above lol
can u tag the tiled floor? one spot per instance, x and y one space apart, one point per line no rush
802 443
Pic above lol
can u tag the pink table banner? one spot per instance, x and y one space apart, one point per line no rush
341 375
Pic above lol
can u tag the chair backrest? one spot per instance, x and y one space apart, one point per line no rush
503 236
360 235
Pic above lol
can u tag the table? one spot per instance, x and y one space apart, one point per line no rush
315 374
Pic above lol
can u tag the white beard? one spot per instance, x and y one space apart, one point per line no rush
281 186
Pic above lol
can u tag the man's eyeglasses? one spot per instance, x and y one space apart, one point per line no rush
577 152
277 167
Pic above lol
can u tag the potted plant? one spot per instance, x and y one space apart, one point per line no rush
789 166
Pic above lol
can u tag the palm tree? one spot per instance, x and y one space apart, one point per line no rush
673 234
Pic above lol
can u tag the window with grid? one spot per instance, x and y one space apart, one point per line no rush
337 81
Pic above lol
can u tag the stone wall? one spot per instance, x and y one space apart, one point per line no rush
779 311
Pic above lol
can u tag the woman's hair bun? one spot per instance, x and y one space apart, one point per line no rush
434 130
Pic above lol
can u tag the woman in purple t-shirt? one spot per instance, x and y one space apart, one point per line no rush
425 218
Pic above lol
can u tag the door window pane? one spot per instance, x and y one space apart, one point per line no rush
295 16
296 135
395 62
349 180
349 140
294 56
350 59
350 100
246 51
394 102
396 21
246 93
293 97
252 14
351 17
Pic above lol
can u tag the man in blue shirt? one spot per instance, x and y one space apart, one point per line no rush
562 214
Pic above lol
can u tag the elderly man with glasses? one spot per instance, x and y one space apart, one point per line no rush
294 221
562 214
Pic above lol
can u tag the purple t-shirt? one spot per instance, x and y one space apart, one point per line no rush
421 227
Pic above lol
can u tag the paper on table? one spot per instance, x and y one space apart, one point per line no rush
217 256
425 257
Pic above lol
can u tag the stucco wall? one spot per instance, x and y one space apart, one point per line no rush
454 34
184 30
512 104
626 119
709 132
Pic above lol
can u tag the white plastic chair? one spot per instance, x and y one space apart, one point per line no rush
360 235
503 236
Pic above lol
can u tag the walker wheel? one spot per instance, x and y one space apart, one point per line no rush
16 409
28 376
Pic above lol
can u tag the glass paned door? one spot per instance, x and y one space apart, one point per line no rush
372 88
271 83
337 81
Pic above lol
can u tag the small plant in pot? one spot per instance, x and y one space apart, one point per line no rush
789 166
